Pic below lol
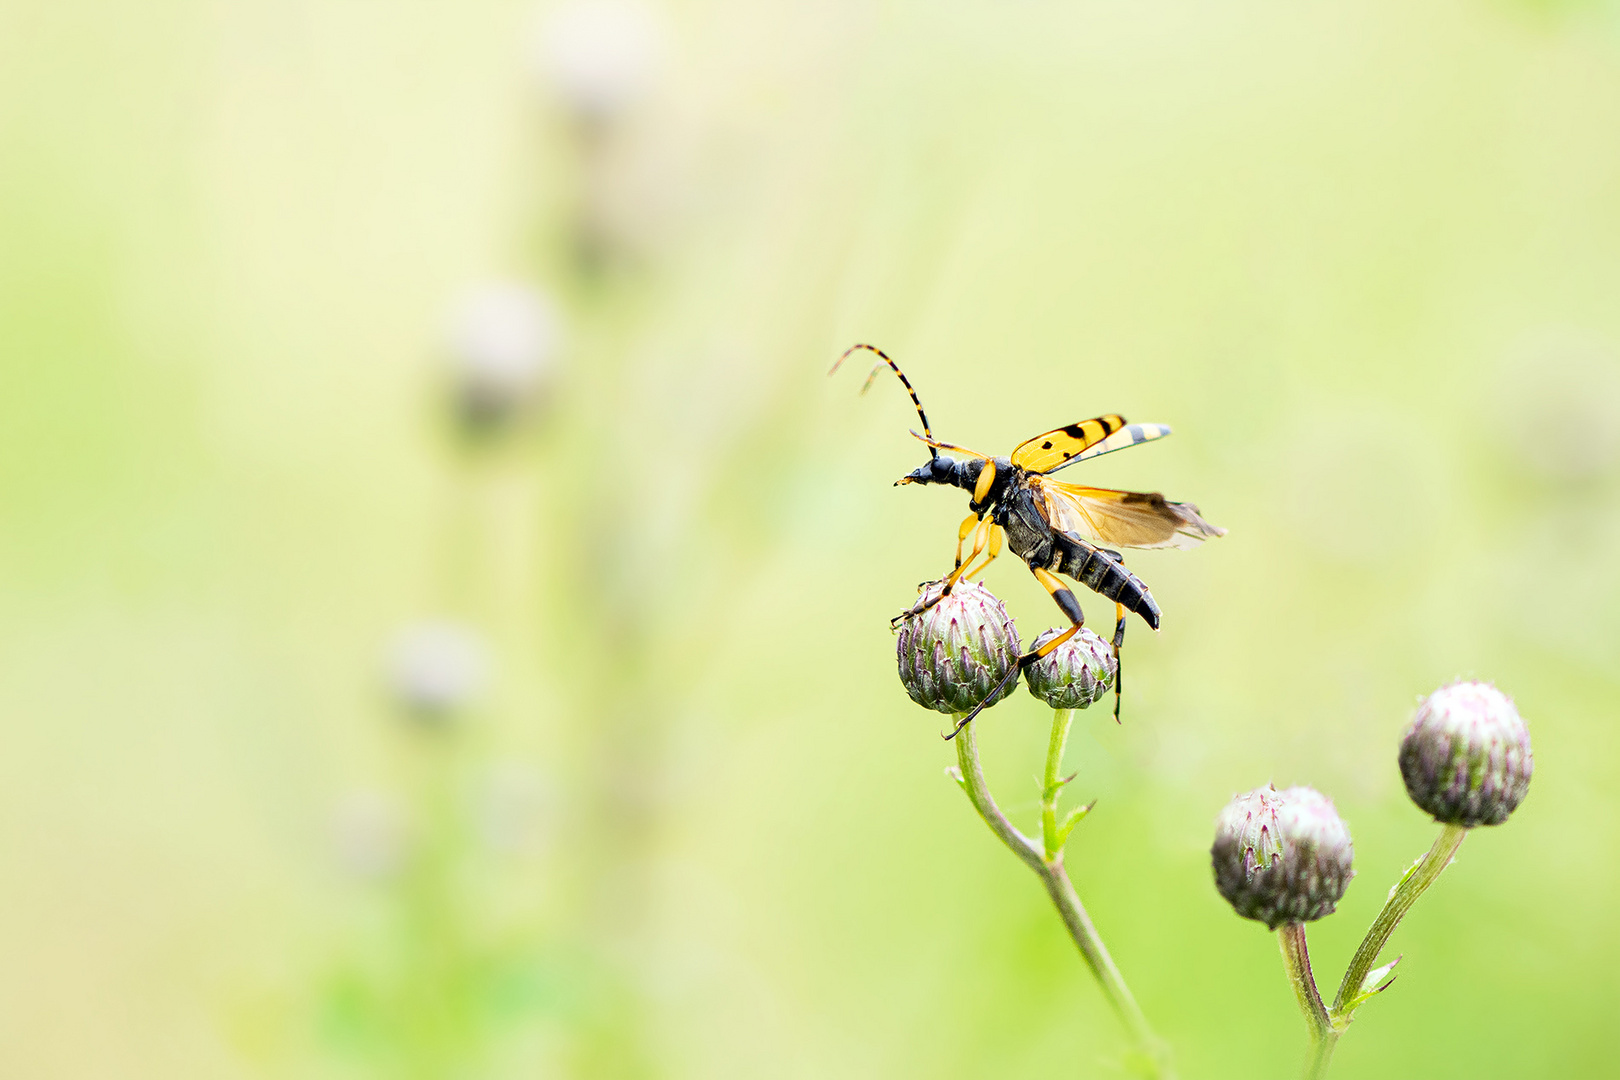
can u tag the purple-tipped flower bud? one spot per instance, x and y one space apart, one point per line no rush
1074 674
1281 856
954 654
1466 756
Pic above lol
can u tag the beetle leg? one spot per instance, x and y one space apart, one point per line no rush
1119 643
998 537
982 532
1077 618
970 525
1066 603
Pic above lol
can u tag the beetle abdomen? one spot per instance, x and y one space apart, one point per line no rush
1105 575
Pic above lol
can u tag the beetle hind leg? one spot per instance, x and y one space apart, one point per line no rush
1119 665
1119 643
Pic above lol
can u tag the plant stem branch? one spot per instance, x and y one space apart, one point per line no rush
1329 1025
978 792
1401 899
1049 867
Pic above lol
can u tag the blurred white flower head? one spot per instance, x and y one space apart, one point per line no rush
369 835
600 56
502 339
435 667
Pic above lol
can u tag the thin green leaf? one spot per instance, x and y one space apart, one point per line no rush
1072 820
1377 981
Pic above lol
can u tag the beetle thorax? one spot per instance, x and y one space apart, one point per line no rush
1015 511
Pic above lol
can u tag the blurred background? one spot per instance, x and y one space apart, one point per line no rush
443 602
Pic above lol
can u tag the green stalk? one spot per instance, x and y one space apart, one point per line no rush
1046 860
1297 959
1051 785
1405 894
1328 1027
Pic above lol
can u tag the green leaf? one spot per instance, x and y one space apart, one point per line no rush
1377 981
1410 870
1058 787
1072 820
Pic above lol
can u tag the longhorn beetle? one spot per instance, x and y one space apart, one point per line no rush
1056 528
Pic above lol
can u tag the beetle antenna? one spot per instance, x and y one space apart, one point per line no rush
879 367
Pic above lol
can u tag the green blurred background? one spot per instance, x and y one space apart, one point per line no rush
1363 257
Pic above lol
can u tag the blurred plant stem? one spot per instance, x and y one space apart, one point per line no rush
437 1028
1046 860
1361 981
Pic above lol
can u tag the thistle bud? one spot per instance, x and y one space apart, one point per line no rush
955 653
1466 756
1074 674
1281 856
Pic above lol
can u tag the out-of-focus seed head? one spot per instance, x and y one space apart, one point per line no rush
1466 755
437 667
953 655
502 341
1074 674
1281 856
600 57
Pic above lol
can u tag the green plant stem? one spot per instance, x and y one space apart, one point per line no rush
1322 1055
1327 1028
1048 865
1051 785
1297 959
1401 898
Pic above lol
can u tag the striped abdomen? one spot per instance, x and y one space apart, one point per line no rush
1104 575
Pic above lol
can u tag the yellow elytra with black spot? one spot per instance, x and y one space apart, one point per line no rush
1055 528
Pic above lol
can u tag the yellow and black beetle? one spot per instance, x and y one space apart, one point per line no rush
1056 528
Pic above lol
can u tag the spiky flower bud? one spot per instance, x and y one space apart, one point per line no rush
1281 856
1074 674
1466 756
954 654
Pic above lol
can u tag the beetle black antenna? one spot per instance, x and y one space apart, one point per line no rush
933 453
